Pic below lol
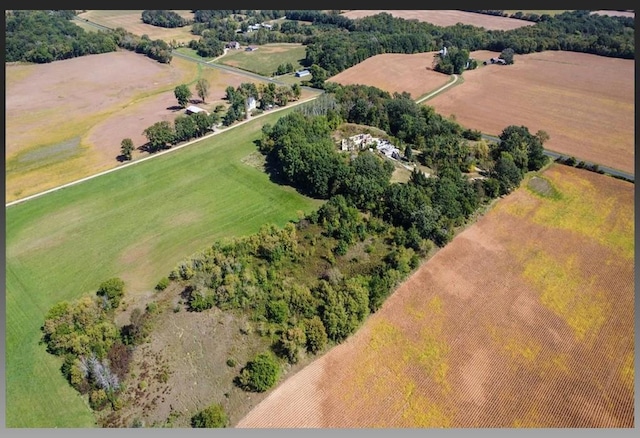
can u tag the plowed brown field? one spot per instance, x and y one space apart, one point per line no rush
586 103
526 319
395 72
65 120
448 18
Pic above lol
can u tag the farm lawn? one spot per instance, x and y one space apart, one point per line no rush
136 223
266 59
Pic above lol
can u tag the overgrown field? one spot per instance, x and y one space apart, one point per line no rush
131 20
526 319
266 59
584 102
135 223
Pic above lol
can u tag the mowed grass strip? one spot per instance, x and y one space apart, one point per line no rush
62 245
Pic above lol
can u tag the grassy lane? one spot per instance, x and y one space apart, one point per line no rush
137 224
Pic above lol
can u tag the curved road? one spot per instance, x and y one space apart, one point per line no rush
444 87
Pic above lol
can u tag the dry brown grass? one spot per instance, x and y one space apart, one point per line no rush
65 120
131 20
586 103
516 323
448 18
395 72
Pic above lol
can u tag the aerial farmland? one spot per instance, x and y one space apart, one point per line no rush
195 239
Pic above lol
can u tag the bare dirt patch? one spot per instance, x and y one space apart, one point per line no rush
395 72
448 18
474 339
584 102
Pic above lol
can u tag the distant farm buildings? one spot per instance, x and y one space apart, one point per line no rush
250 49
192 109
496 60
257 26
365 141
302 73
233 45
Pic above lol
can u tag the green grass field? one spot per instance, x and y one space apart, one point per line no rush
267 58
136 223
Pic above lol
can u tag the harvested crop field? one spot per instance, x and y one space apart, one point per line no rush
65 120
630 14
448 18
395 72
526 319
131 20
586 103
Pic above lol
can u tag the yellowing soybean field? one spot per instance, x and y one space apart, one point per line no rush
526 319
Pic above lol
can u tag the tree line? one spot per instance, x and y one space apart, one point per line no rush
47 36
164 18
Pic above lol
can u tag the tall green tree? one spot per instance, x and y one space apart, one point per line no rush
160 134
112 290
183 94
202 88
126 148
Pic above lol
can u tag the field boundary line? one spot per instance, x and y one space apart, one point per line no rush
158 154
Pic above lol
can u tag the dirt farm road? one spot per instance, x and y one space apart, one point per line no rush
444 87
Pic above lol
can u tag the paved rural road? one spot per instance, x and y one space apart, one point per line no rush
556 155
157 154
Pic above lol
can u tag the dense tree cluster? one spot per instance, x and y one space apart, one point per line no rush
158 49
455 61
84 334
266 96
46 36
163 18
161 135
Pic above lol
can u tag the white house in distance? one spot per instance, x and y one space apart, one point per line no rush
302 73
251 103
